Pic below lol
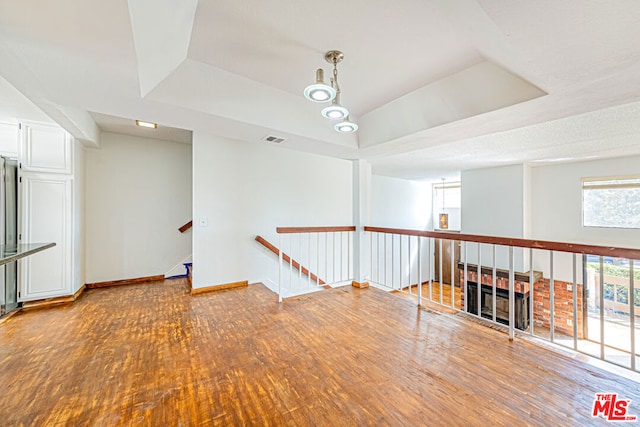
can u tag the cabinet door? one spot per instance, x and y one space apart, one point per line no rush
46 202
9 139
45 148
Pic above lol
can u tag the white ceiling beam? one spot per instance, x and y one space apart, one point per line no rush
78 123
75 121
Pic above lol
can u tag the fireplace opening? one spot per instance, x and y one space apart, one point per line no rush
521 305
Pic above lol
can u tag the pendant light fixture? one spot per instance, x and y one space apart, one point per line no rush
443 217
346 126
335 111
321 92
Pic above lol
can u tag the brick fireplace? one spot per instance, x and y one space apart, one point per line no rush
562 306
563 298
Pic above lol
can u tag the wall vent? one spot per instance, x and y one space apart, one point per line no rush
274 139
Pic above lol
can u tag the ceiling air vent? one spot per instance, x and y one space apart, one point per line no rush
274 139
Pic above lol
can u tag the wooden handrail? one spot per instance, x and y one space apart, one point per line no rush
521 243
288 259
186 226
289 230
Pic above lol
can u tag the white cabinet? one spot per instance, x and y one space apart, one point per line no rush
9 139
45 148
46 199
46 213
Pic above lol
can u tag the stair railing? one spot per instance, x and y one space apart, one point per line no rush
579 296
326 250
186 226
289 260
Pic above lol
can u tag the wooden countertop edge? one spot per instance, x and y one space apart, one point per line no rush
24 254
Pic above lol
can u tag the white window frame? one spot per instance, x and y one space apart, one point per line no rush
602 183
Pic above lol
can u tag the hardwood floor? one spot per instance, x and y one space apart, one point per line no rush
155 355
435 294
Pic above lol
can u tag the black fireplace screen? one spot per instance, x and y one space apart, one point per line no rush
502 305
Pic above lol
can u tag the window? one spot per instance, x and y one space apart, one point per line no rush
446 199
611 202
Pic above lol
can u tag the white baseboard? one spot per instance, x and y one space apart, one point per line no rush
273 287
381 287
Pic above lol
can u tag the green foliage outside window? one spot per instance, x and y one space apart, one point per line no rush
609 291
615 270
621 292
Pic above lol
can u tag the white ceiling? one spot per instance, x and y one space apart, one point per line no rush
437 86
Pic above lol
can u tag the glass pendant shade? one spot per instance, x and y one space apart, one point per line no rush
320 91
444 221
346 126
335 111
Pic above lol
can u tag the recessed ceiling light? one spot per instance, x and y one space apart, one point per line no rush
146 124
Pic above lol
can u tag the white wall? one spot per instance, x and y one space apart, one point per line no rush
79 226
400 203
541 203
495 202
244 189
557 211
138 192
557 202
